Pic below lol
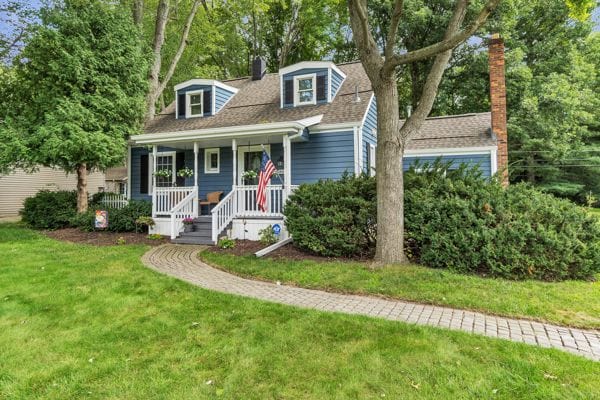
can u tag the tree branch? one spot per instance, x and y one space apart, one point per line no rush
449 42
393 31
182 44
365 43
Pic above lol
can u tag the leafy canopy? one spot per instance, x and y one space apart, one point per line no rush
76 91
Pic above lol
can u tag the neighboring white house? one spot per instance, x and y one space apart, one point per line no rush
17 186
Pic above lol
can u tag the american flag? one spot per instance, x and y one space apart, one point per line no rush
266 171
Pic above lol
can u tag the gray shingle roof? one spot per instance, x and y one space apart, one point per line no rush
467 130
257 102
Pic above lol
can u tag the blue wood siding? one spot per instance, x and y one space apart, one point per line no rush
220 182
192 88
484 161
324 156
336 82
368 128
305 71
136 154
222 96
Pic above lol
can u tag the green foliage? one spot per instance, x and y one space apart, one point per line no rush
125 219
334 218
77 89
84 221
49 210
154 236
267 237
465 224
457 220
226 243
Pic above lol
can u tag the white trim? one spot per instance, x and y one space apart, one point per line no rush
234 151
327 128
361 153
188 103
205 82
455 151
313 78
372 156
356 151
364 119
207 168
213 101
196 164
245 149
311 64
129 172
176 106
281 91
224 132
287 163
494 163
173 155
329 84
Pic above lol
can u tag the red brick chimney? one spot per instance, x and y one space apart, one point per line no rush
498 103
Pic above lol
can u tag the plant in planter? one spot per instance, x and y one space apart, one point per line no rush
248 176
188 224
144 221
185 173
163 173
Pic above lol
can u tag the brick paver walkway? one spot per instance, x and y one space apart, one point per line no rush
181 262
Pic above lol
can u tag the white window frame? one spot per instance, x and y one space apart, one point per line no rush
207 153
151 162
297 101
372 156
188 104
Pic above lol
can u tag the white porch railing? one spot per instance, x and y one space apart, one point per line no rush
164 199
241 202
114 200
177 203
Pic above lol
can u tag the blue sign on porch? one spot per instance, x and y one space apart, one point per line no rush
277 229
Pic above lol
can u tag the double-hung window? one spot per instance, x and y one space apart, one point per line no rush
195 104
165 162
211 161
305 90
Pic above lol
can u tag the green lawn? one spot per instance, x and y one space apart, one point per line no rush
595 211
574 303
85 322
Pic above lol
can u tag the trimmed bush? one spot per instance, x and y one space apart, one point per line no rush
49 210
124 219
457 220
84 221
334 218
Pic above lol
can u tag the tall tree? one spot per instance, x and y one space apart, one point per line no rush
156 84
391 136
76 91
16 16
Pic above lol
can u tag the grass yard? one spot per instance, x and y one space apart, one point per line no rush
574 303
595 211
79 321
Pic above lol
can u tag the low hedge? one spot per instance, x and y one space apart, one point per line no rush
49 210
55 210
458 220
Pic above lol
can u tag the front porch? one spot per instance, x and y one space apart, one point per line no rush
217 167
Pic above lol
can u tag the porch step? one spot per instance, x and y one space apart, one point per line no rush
201 232
192 240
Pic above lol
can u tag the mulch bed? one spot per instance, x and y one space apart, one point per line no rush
287 252
102 238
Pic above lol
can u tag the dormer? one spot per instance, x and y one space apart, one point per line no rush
201 98
309 83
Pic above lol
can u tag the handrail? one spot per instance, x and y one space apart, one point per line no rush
186 208
223 213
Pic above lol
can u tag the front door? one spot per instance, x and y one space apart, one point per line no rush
249 160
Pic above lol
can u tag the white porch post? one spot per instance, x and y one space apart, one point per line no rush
287 164
128 183
195 207
154 154
234 149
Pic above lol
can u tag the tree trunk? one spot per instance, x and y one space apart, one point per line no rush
390 178
138 12
162 14
82 192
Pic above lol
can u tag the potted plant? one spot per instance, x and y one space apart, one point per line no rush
248 176
185 172
188 224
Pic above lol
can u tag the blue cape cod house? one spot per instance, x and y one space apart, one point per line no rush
316 120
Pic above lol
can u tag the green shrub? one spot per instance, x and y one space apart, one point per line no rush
467 224
124 219
454 219
49 210
267 236
334 218
84 221
226 243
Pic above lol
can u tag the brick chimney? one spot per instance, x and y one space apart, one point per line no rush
498 103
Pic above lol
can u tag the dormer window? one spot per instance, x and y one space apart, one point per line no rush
195 104
305 89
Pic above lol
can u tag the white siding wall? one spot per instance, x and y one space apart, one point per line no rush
14 188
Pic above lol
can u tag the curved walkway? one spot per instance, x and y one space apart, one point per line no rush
181 261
